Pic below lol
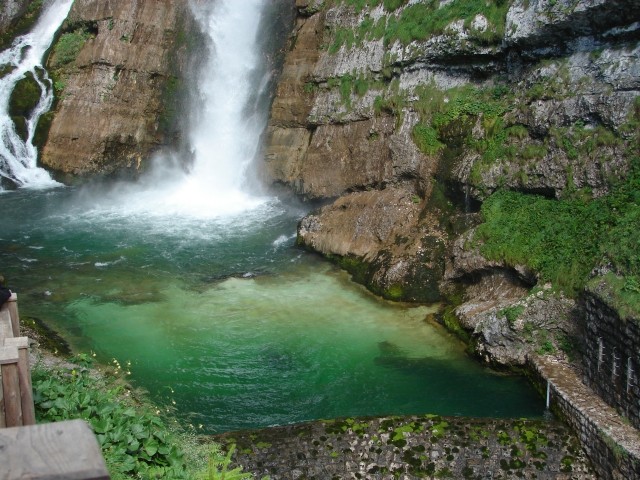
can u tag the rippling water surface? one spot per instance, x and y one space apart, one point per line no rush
229 320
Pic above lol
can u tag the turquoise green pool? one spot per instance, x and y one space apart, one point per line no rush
224 320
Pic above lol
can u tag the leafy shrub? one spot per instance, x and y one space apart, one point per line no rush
218 468
134 440
426 139
563 240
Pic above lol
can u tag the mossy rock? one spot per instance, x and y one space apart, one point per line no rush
20 124
22 24
25 96
45 336
68 46
42 129
6 69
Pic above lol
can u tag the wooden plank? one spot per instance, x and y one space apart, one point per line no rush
24 377
3 423
12 305
11 386
6 329
61 450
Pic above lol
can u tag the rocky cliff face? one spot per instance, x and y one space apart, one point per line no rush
10 10
117 68
17 17
406 116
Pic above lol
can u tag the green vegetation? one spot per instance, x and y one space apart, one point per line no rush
420 21
423 20
25 96
23 100
426 139
68 47
563 240
63 56
448 118
218 468
622 292
134 440
42 129
171 102
22 24
512 313
6 69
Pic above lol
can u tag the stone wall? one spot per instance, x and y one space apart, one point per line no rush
612 446
425 446
612 357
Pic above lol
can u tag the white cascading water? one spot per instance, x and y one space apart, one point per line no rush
18 158
225 127
226 134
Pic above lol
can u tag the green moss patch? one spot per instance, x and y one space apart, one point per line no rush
564 240
25 96
67 48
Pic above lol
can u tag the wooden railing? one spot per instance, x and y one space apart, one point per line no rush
49 451
16 405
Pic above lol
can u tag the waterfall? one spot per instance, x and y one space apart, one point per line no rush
18 157
223 128
228 127
226 119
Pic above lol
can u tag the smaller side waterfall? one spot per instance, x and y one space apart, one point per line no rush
18 156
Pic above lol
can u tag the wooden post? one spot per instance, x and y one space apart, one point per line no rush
3 422
12 303
9 358
24 376
6 329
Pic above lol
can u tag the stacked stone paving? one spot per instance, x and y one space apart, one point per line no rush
426 446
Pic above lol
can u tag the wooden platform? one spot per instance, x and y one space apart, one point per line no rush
61 450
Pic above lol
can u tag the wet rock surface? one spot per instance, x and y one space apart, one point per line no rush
11 10
427 446
563 76
116 96
368 234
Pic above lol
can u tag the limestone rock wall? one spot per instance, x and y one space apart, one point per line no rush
10 10
117 92
527 95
